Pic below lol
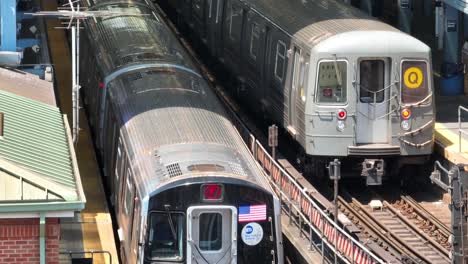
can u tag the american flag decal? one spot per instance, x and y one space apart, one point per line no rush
249 213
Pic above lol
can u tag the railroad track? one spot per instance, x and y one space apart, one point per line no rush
426 221
390 226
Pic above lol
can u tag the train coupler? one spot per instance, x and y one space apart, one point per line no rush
373 170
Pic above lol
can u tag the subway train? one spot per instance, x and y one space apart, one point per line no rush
340 83
184 186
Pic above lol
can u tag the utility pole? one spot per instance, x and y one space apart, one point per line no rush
334 170
75 14
273 139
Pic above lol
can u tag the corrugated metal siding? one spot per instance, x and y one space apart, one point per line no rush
35 138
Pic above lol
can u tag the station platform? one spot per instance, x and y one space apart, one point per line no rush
447 142
92 229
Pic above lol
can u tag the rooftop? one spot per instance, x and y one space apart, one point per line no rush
37 163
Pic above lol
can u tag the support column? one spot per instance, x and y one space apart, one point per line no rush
451 35
366 6
8 25
405 15
42 237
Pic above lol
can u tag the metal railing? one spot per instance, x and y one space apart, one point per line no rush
296 203
460 130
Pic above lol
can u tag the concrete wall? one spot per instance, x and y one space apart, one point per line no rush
19 241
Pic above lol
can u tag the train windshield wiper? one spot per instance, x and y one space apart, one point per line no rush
171 224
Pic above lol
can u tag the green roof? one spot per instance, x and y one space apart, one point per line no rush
35 149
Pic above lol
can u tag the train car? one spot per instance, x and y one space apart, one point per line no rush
184 186
341 83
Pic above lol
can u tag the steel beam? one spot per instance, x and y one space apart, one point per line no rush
8 25
405 15
451 35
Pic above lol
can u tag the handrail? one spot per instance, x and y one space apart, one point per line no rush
292 193
85 252
460 130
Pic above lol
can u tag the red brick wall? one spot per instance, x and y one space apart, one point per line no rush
19 241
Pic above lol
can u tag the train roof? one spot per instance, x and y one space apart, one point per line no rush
132 37
307 20
174 121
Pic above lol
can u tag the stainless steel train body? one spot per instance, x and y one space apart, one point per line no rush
184 186
341 83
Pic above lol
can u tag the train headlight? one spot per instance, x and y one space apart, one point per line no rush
405 113
340 125
406 125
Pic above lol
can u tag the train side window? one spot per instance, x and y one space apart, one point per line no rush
119 162
166 236
280 60
254 40
235 22
136 227
304 77
331 83
128 205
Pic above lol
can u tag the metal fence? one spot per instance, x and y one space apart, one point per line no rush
296 203
460 129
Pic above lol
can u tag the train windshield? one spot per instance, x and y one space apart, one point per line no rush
166 236
414 82
331 86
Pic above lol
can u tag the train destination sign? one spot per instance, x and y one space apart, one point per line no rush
413 77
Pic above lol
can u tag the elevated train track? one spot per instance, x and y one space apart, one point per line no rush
382 232
391 227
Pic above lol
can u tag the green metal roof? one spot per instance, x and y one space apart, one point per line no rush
35 150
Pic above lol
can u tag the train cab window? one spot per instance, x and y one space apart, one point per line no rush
414 82
280 60
371 81
331 85
166 236
211 225
254 40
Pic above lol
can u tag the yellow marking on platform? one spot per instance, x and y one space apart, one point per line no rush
95 222
447 143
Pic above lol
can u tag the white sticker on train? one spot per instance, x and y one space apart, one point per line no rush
252 234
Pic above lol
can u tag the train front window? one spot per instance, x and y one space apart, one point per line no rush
414 82
211 225
166 236
371 81
331 85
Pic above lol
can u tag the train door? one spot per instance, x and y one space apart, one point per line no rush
296 96
372 102
211 234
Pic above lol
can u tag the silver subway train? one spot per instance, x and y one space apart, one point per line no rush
184 186
342 84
